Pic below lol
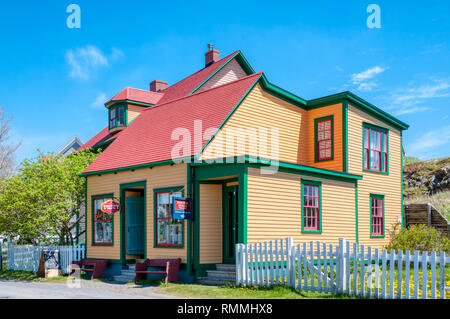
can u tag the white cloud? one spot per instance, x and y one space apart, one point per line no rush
86 60
362 79
99 102
430 141
409 110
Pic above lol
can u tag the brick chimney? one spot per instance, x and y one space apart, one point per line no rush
157 85
211 56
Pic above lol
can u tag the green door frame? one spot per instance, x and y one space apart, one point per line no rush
201 176
123 188
229 238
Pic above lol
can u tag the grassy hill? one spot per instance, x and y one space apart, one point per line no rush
428 182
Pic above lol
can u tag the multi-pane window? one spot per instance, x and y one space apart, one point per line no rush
112 118
377 215
311 207
169 231
102 223
324 138
117 117
375 152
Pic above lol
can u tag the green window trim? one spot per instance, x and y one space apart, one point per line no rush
155 212
93 198
311 182
382 197
316 145
381 129
116 107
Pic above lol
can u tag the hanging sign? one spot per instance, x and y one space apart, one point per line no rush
182 208
111 206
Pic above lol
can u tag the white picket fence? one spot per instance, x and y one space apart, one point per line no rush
344 268
28 257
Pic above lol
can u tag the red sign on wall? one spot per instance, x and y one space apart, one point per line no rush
111 207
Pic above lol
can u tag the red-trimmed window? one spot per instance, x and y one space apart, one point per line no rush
103 223
377 215
324 140
375 149
112 118
121 117
311 207
169 231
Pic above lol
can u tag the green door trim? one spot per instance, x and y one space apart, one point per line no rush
123 187
226 240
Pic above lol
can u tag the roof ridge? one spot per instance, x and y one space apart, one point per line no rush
207 90
226 57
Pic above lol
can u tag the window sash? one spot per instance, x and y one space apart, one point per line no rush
375 150
103 226
324 147
169 232
377 215
311 207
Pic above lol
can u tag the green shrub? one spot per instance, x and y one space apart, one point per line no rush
419 237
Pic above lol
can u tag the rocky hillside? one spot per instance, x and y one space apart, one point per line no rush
427 178
428 182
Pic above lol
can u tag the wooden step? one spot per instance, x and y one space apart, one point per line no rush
227 275
226 267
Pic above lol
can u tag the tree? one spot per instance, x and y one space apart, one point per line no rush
7 151
43 200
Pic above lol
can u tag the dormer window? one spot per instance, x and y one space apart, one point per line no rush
117 116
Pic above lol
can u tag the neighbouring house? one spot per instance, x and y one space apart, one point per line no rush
259 162
79 232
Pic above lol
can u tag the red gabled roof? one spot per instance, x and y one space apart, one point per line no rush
148 139
102 137
138 95
187 85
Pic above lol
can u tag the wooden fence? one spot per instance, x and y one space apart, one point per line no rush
28 257
344 268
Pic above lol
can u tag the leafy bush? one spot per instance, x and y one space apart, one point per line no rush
418 237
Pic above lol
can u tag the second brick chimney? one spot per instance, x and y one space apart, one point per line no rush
211 56
157 85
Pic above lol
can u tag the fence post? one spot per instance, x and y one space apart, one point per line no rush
238 264
341 271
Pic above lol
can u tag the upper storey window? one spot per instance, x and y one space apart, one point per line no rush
323 133
117 116
375 153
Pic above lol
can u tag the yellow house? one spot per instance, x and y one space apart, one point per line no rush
258 162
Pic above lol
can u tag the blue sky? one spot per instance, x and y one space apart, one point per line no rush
54 80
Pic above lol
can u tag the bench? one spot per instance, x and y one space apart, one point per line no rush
170 267
98 266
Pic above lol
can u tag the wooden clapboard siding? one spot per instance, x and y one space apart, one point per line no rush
262 111
230 72
133 112
336 111
210 223
274 208
388 185
157 177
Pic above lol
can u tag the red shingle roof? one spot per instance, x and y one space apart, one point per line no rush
148 97
148 138
187 85
101 137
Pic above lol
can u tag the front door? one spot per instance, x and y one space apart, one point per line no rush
230 223
135 225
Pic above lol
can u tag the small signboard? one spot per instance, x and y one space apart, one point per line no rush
49 265
111 207
182 208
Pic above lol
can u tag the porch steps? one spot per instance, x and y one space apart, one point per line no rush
223 275
126 275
